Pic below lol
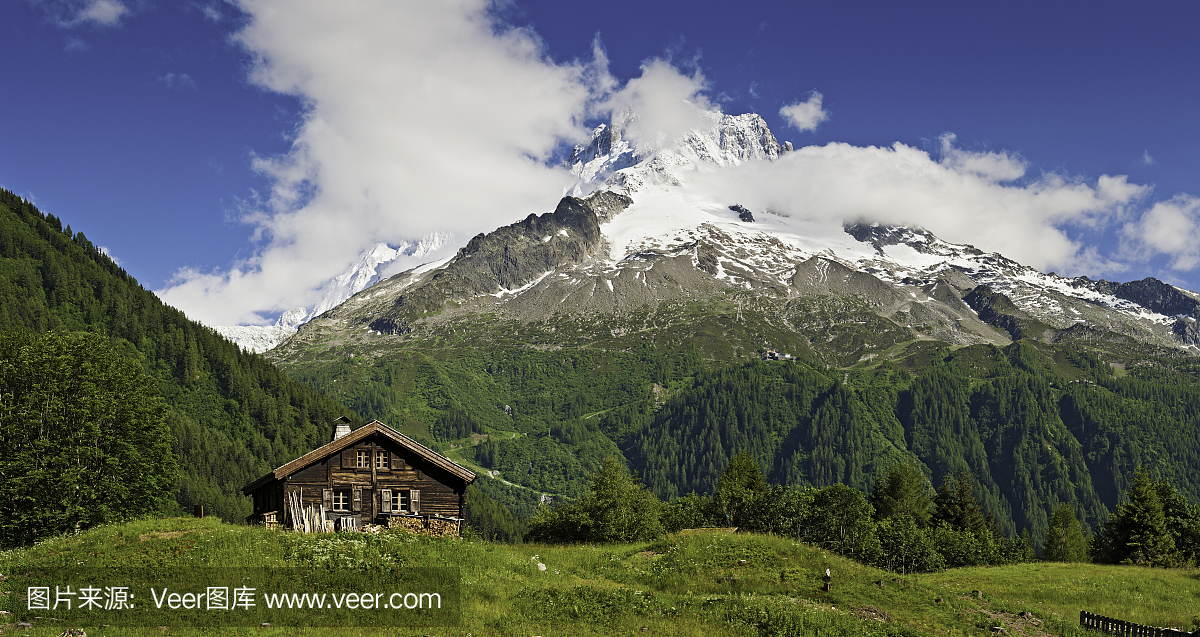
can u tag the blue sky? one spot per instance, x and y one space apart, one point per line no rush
235 155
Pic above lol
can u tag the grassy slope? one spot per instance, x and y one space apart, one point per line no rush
683 585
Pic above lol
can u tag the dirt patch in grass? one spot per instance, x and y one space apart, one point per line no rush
870 612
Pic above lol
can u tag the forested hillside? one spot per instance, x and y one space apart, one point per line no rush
234 415
1033 425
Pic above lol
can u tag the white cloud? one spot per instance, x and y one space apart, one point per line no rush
212 13
105 251
72 13
421 117
964 198
1000 166
806 115
102 12
1147 159
666 101
1170 228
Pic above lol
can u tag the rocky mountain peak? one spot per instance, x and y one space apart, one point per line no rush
509 259
609 159
880 236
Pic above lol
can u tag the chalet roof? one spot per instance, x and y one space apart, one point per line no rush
350 440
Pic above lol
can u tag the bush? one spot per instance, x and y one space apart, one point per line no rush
688 512
618 508
905 548
840 519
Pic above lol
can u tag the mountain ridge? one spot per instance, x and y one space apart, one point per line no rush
665 243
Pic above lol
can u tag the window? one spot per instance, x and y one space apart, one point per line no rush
363 461
381 460
341 500
400 501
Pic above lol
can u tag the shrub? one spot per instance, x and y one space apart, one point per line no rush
904 548
618 508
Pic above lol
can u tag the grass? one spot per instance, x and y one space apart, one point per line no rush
703 583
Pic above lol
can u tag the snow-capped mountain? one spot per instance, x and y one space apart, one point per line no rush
611 161
260 338
641 254
370 267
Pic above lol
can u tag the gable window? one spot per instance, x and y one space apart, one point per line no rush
341 500
363 460
381 460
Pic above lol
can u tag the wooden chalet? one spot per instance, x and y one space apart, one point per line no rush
372 475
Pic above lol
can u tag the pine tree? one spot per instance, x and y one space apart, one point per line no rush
902 490
1137 531
955 505
1065 541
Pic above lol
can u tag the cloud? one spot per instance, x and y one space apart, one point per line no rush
667 102
967 197
72 13
212 13
420 117
1170 228
103 12
106 252
178 81
1147 159
806 115
1001 166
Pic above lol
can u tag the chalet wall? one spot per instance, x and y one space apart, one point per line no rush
360 474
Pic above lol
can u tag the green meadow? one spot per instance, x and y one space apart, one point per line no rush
693 583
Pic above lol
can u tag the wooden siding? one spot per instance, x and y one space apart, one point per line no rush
440 491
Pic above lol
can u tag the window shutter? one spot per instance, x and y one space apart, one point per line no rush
397 463
327 499
347 458
414 501
385 500
356 505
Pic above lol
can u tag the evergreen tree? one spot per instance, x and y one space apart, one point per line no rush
1065 541
1137 531
1183 522
956 506
83 436
902 490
